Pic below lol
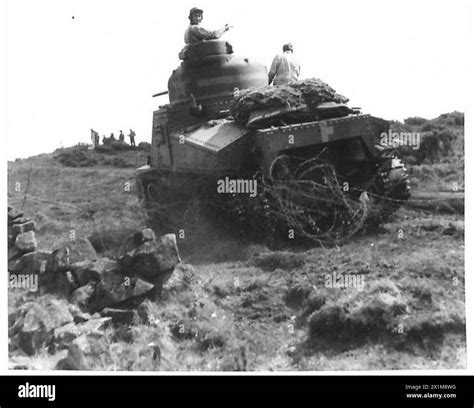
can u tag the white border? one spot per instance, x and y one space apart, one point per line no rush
469 279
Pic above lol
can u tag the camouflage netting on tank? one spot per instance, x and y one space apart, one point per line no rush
299 101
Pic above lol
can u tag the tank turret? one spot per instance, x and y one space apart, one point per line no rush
209 76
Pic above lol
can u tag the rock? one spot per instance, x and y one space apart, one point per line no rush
80 250
22 228
60 260
114 290
65 335
153 261
181 278
64 284
35 262
125 333
14 252
17 221
78 315
29 263
141 287
26 241
99 268
81 297
79 269
15 265
13 215
74 251
56 275
82 317
111 290
166 244
84 352
145 235
119 316
136 239
34 323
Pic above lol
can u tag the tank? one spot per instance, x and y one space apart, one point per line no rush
197 146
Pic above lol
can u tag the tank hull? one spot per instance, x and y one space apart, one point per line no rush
298 169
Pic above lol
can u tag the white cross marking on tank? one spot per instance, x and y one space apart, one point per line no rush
326 131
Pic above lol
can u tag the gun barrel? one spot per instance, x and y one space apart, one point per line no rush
159 94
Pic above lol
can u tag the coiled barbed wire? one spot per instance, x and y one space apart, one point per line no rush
306 197
311 201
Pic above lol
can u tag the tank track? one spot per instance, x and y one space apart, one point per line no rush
390 187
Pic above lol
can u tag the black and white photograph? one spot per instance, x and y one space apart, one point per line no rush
237 186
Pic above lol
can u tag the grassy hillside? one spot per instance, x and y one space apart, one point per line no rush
236 305
439 161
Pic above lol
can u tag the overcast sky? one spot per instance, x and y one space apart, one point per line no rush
73 65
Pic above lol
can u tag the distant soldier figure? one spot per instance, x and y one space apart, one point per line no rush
97 139
104 140
132 137
285 69
94 137
112 137
121 136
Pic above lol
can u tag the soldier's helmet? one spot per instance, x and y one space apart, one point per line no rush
194 10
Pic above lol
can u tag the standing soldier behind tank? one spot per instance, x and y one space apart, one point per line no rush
93 137
285 69
121 136
195 33
132 137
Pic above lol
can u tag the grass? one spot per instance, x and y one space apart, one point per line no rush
88 201
116 154
438 164
279 260
235 305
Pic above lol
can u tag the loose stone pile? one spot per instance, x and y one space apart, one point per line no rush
80 292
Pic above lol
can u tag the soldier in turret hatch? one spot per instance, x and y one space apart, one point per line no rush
195 33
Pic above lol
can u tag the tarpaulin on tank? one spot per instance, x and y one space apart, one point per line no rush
306 100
